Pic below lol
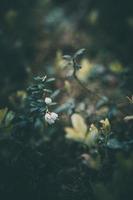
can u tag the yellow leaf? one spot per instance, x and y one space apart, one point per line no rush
67 86
85 70
92 135
3 114
72 134
21 94
106 125
91 162
79 124
61 63
93 17
102 111
116 67
78 132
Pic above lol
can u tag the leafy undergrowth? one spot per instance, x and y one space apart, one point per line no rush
71 143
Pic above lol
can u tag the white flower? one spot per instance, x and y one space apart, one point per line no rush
51 117
48 100
54 115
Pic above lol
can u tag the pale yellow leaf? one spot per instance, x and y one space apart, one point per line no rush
73 134
79 124
84 72
92 135
3 114
116 67
106 125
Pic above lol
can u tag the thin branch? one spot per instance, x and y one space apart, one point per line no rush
90 92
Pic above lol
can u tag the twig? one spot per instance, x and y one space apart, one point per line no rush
90 92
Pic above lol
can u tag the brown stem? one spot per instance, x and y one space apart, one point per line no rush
90 92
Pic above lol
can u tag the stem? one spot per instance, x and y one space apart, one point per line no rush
90 92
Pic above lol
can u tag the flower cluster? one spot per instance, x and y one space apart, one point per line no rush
50 117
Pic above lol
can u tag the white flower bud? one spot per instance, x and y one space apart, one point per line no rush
51 117
48 100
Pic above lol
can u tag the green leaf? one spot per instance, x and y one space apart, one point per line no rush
9 117
50 80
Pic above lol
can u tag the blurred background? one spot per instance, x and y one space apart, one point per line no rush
35 33
41 161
